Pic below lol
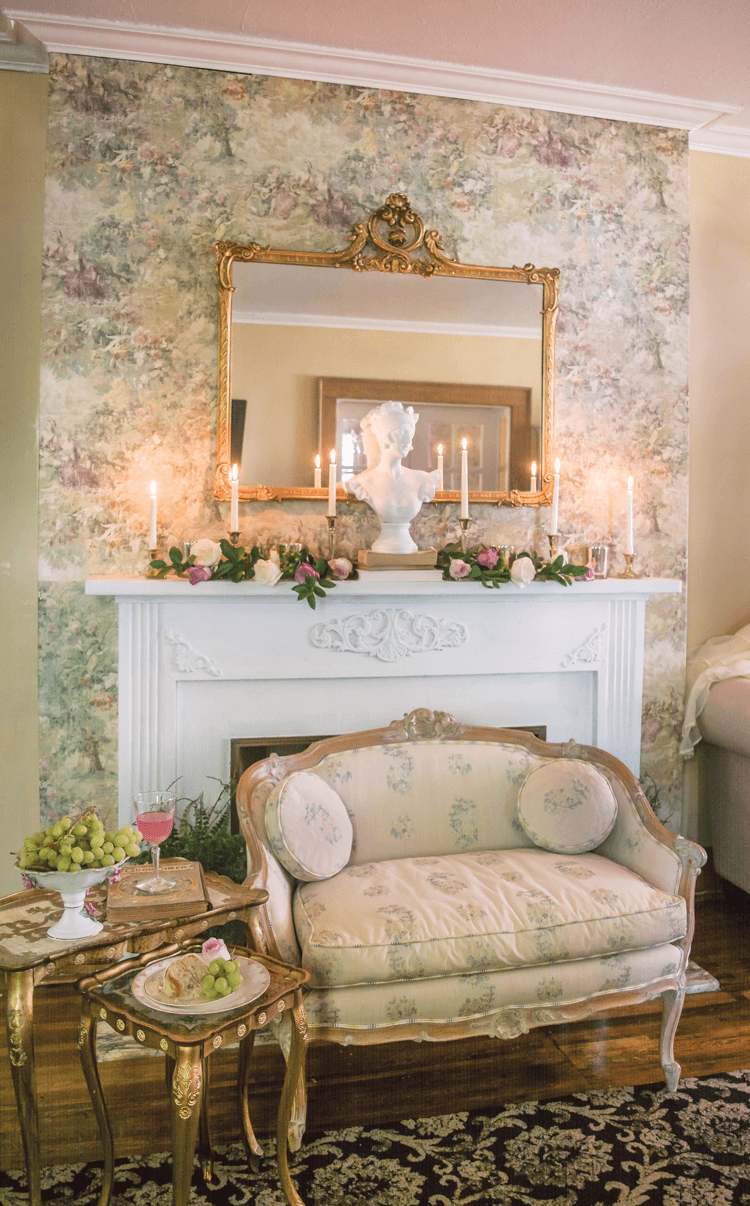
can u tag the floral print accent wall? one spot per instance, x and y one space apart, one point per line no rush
148 165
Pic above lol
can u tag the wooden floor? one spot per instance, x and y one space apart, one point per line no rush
357 1086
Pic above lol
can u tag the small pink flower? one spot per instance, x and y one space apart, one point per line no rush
198 573
90 909
488 558
589 575
341 567
214 948
28 883
305 571
458 569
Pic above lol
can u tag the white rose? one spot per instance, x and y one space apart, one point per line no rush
267 573
522 571
207 553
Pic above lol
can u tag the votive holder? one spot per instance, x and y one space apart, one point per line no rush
506 551
629 572
464 537
598 559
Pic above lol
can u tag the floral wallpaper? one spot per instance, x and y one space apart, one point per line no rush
148 165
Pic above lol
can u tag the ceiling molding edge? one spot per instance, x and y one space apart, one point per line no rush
722 140
194 48
19 49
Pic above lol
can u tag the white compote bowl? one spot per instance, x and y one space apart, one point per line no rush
72 885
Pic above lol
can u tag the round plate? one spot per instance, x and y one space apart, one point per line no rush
255 981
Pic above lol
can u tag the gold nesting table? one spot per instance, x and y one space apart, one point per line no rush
187 1041
28 958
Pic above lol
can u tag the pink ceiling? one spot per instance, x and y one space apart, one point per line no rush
696 49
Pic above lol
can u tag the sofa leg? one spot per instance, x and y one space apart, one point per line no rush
672 1001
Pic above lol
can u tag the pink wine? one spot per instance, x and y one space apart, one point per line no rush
154 827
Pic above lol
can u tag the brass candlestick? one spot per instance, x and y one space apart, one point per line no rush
464 538
552 537
234 537
152 555
629 572
331 520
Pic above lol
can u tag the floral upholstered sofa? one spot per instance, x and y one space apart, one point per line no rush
439 881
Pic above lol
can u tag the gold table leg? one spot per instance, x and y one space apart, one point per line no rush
19 1019
205 1150
253 1150
187 1097
87 1049
295 1072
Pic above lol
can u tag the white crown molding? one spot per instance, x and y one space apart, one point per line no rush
722 140
19 49
192 48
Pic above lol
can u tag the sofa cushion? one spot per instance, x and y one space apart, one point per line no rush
415 918
567 806
308 827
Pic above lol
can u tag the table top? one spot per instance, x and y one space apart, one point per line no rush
26 916
110 998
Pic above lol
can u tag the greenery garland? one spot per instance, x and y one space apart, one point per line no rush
488 565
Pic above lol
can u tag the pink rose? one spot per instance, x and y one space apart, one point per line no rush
487 558
589 575
305 571
458 569
198 573
341 568
215 948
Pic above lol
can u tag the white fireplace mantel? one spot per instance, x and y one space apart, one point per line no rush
201 665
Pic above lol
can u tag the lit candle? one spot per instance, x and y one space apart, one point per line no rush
533 477
555 498
464 480
234 521
317 473
440 466
332 484
152 519
629 541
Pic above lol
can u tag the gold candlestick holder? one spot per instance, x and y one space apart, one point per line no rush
234 537
152 555
629 572
552 537
331 520
464 538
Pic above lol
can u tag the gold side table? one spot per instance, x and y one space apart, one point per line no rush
187 1041
28 957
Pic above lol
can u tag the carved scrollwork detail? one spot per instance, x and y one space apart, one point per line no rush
15 1034
424 725
186 1087
277 767
389 634
689 853
506 1025
187 660
593 649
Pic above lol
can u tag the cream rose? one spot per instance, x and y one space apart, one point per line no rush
522 571
206 552
267 573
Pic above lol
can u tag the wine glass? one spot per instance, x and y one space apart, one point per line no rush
154 817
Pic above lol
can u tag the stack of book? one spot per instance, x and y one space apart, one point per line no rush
126 902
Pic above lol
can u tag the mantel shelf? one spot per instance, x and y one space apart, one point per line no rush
179 589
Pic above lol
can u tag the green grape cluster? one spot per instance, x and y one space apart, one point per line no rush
222 977
78 844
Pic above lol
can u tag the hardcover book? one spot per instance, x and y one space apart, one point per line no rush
126 903
421 559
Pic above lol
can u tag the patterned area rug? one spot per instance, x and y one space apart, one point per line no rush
627 1147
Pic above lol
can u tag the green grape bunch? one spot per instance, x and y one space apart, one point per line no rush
78 844
222 977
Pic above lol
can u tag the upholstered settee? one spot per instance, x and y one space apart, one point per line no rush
440 881
724 724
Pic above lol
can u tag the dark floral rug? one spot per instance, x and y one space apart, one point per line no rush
627 1147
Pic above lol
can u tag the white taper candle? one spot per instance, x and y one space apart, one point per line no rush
332 484
555 498
464 480
152 519
234 517
440 466
533 477
629 539
317 473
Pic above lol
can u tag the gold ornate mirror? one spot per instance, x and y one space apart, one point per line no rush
304 352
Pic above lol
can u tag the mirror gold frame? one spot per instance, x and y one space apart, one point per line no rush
393 240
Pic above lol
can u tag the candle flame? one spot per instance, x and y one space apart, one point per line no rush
333 456
317 462
463 443
153 489
440 449
533 468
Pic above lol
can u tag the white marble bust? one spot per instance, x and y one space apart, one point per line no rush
394 492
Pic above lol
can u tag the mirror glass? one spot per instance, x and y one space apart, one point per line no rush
310 341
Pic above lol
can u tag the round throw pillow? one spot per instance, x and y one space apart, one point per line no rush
567 806
308 827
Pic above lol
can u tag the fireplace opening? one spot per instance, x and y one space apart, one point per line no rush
246 751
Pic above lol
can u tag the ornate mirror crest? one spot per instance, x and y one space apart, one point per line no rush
393 240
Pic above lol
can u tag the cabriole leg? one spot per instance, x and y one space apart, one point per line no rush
87 1049
672 1001
19 1018
295 1075
187 1097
